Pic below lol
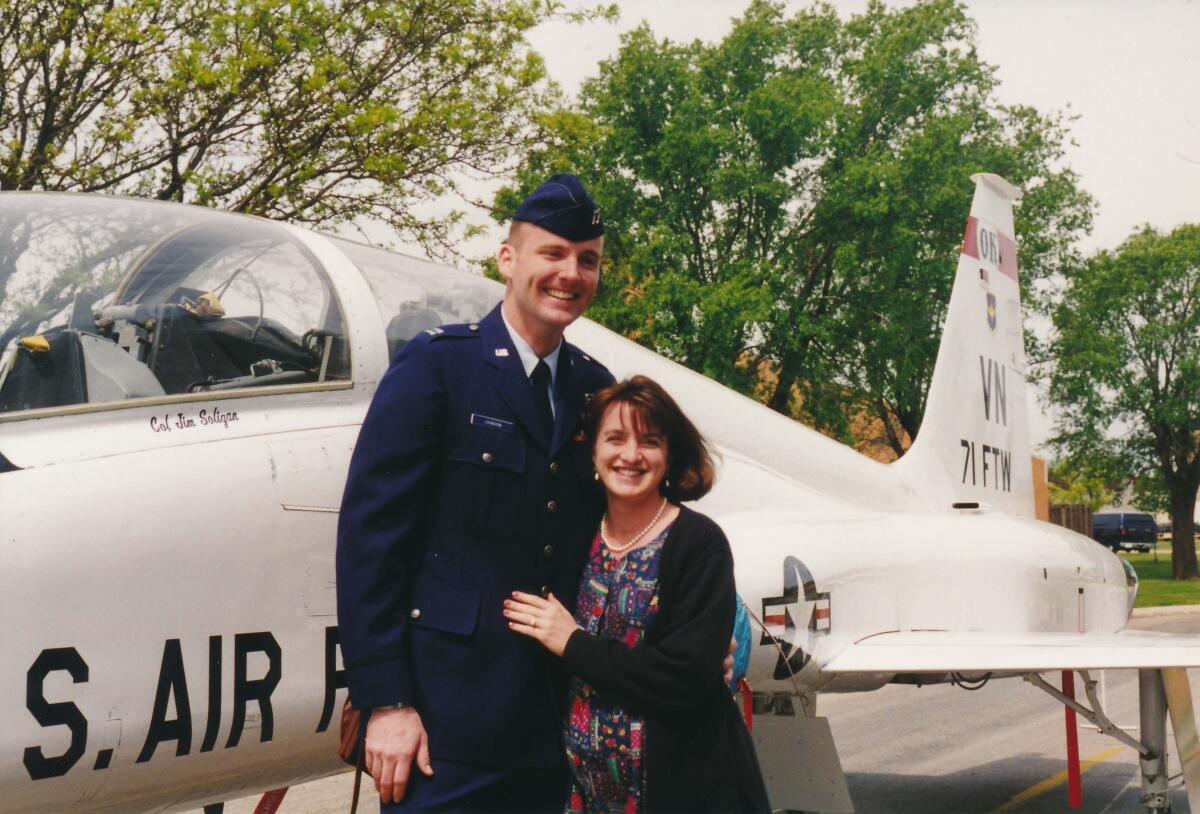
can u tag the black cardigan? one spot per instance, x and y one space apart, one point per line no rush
699 756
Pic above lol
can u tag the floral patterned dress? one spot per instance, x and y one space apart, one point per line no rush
618 597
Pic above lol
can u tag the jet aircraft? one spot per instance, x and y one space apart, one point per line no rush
178 404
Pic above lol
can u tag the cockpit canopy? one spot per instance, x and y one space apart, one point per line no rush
110 299
415 295
128 299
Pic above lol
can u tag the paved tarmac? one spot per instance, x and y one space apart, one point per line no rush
943 750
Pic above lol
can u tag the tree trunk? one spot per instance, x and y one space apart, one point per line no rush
781 398
1183 541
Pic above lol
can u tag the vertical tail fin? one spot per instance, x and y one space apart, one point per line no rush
973 445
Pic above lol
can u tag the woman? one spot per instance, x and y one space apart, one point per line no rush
650 726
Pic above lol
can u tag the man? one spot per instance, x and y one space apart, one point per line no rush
468 482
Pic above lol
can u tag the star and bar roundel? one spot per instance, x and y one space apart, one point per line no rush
785 618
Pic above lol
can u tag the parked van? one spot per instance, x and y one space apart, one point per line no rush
1124 531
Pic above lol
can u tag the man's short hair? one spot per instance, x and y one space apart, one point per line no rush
515 230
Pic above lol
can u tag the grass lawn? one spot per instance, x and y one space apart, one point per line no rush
1155 584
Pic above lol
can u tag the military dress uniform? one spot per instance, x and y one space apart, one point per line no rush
458 495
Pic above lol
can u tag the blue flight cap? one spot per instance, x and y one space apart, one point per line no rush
561 205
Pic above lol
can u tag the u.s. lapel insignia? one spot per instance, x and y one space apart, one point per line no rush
502 351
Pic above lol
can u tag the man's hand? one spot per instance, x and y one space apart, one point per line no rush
727 665
395 737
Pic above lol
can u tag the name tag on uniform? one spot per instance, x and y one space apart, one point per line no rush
491 423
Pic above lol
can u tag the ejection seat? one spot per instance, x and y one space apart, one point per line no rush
65 366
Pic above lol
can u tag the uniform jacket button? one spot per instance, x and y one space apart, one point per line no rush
415 613
554 467
552 507
548 551
545 591
487 457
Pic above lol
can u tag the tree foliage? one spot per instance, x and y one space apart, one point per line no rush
312 111
305 110
785 207
1126 372
1074 482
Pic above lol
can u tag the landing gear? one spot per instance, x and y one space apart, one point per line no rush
1183 721
1159 691
1152 701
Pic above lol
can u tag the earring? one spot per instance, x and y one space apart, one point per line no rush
595 475
667 483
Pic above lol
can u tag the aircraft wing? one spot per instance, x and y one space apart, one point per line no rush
937 651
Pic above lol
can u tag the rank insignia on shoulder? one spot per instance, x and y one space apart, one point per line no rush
502 351
434 331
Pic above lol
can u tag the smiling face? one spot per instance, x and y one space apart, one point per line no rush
631 458
550 281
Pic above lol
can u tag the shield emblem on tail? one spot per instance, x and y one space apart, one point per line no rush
991 310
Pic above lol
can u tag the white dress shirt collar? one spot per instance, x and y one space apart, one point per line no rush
529 358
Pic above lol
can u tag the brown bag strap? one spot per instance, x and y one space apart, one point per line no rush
358 773
359 767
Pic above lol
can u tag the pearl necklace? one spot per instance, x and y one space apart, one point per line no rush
617 549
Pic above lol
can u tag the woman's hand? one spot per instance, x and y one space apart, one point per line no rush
543 619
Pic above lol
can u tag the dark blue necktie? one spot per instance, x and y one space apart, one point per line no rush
540 381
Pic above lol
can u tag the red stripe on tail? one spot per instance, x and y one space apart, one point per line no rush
970 245
1008 255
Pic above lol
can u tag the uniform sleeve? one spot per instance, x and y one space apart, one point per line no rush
680 669
383 525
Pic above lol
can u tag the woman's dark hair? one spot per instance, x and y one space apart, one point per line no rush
690 471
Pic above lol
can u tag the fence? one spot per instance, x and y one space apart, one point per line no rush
1075 516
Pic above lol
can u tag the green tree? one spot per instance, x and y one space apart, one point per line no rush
1126 374
1072 482
312 111
785 206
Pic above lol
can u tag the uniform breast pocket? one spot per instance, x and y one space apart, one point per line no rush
484 469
